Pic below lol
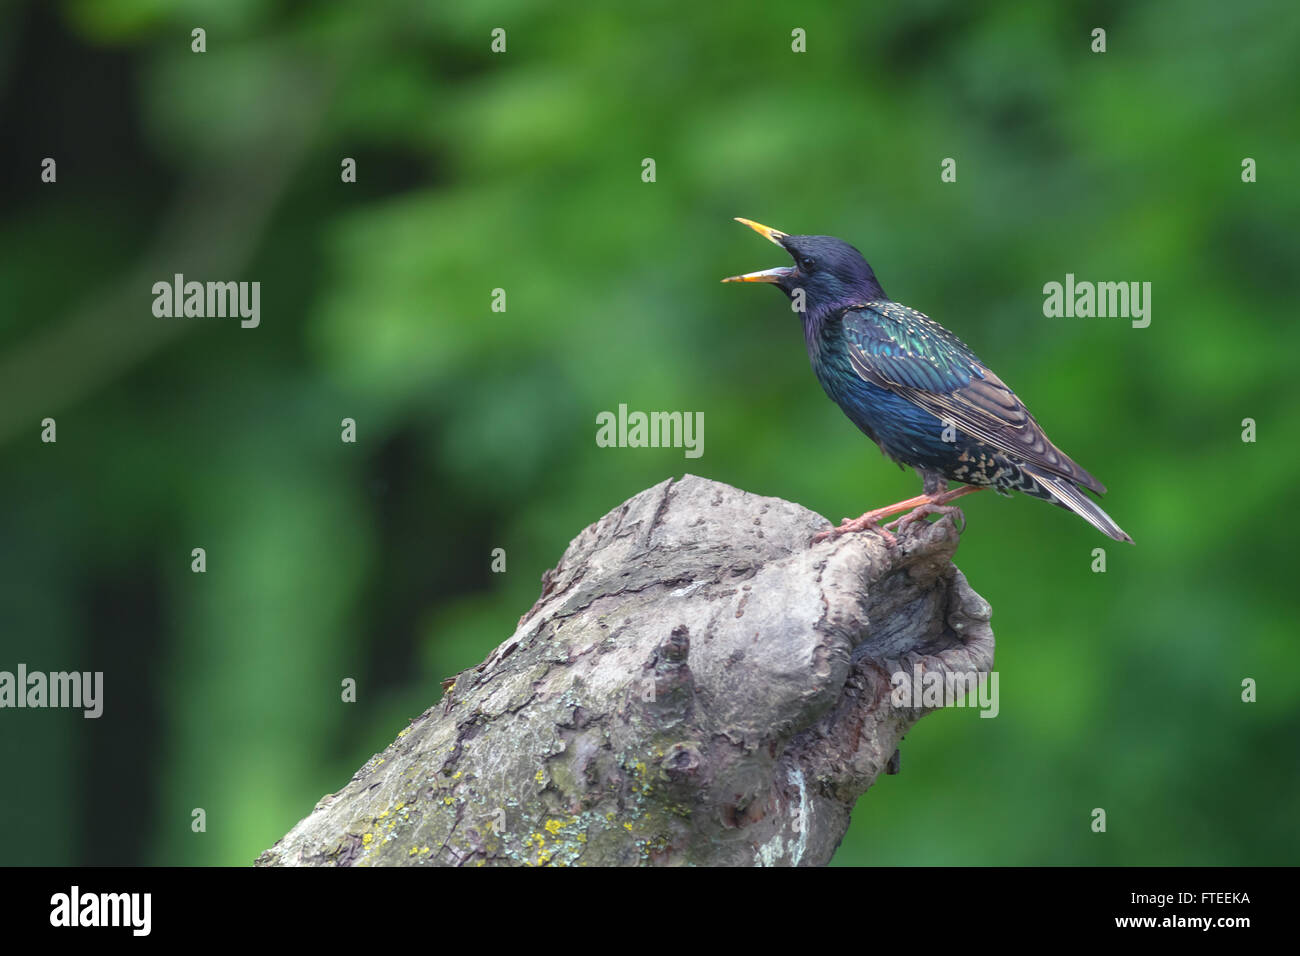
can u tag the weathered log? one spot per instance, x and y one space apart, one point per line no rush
696 684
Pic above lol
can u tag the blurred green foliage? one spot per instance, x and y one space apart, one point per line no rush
476 429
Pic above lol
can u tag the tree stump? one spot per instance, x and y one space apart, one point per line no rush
695 685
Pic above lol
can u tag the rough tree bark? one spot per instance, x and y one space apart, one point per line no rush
696 684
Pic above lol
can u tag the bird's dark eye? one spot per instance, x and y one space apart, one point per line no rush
807 263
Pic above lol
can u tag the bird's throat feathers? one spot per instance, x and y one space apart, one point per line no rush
822 317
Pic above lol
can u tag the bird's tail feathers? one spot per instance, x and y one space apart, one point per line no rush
1062 492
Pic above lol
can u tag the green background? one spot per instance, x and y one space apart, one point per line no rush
476 429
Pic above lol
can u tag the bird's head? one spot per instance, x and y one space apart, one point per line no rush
830 272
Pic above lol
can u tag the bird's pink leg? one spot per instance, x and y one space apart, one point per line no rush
871 520
920 506
937 505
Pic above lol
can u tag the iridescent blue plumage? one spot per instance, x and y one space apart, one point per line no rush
917 390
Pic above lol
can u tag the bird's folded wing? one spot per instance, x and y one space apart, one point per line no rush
905 351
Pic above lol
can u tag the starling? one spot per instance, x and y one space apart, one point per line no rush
918 392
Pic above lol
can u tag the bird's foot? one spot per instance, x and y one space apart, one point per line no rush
871 521
922 512
867 522
921 506
935 505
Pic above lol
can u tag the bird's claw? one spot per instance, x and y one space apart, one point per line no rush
865 523
921 512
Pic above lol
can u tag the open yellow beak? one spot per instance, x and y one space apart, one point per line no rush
767 275
767 232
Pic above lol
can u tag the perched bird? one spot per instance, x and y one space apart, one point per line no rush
918 392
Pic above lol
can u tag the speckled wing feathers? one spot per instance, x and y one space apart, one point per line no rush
905 351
